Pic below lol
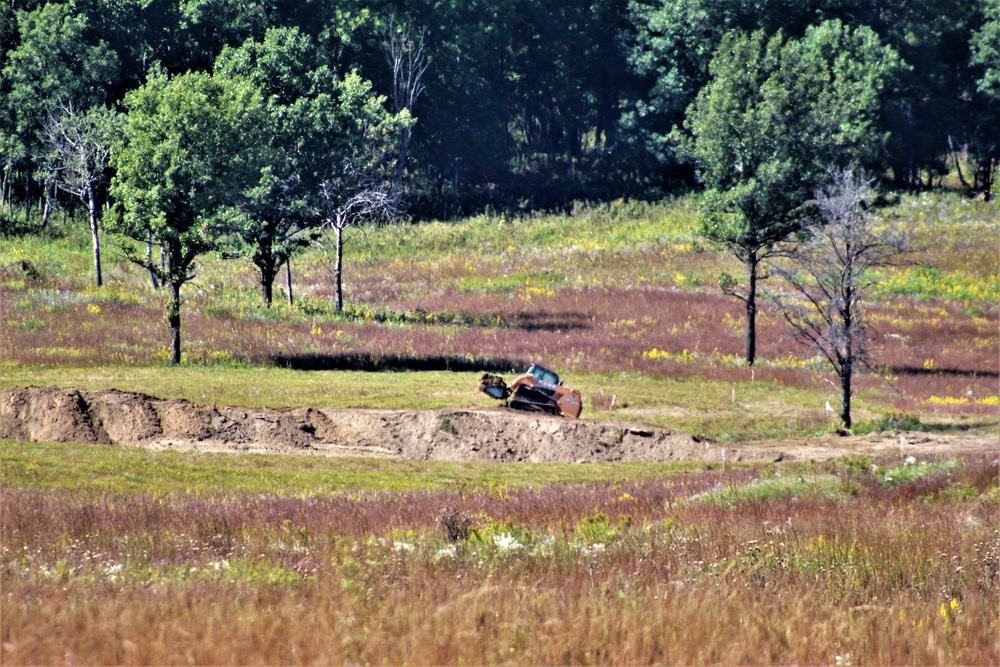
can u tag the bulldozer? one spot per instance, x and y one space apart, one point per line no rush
538 390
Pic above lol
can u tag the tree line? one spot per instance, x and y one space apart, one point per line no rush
246 127
522 104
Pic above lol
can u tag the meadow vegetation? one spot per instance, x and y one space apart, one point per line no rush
217 559
138 557
621 298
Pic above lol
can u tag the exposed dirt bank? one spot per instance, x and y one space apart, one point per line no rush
122 418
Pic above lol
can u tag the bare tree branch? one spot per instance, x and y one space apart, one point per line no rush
829 274
352 199
79 146
404 53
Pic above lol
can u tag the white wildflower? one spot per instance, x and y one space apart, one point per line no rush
446 552
506 542
910 460
401 547
843 660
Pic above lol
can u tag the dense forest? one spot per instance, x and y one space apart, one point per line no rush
512 104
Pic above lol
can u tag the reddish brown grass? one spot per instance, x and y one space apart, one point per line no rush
889 575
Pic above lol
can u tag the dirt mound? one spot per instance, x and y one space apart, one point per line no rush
124 418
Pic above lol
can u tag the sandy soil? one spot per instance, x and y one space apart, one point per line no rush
51 414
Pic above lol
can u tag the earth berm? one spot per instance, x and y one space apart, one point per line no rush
113 417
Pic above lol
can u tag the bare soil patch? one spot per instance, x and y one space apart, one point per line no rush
115 417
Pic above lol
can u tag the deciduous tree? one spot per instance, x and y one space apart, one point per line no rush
830 273
773 113
78 146
52 65
356 187
273 220
184 154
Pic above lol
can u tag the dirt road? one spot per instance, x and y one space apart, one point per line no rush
37 414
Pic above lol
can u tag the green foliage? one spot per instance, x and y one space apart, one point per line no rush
184 155
317 127
773 116
986 49
894 421
54 65
771 119
595 529
912 470
791 483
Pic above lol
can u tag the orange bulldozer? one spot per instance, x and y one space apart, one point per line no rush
538 390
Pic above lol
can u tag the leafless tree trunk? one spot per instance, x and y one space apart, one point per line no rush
46 205
829 274
4 185
338 267
365 201
79 147
404 53
92 208
288 280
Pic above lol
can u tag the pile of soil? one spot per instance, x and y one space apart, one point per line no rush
112 417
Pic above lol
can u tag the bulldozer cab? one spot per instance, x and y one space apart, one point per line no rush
543 375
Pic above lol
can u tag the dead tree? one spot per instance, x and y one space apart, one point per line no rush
348 202
829 274
404 53
79 145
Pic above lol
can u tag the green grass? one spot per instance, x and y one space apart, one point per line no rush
787 485
718 410
99 469
836 481
621 244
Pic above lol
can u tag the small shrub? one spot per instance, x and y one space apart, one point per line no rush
602 401
894 421
456 524
596 528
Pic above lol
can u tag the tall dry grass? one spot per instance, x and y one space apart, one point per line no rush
642 572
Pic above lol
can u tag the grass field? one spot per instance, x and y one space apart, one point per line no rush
115 555
620 298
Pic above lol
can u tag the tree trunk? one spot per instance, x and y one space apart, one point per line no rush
338 270
847 362
846 370
751 264
92 205
174 320
288 279
3 185
267 274
267 290
401 154
46 210
149 261
958 163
